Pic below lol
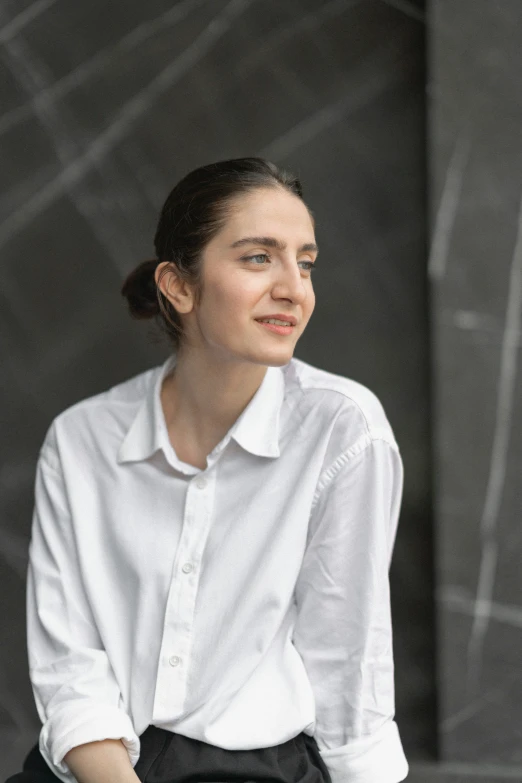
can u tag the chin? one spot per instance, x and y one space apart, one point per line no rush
277 358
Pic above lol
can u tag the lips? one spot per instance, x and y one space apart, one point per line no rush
280 317
277 328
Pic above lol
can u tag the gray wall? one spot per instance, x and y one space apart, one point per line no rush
104 107
475 270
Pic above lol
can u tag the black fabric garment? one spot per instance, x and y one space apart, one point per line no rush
167 757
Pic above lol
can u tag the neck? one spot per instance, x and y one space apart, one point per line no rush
203 397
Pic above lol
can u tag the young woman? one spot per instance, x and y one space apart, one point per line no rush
208 591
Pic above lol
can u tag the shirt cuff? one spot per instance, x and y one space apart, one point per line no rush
76 725
377 758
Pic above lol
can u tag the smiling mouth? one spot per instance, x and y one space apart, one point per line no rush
279 321
277 328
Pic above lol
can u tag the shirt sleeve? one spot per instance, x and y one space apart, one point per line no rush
74 687
343 628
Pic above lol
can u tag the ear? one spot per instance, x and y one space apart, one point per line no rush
173 287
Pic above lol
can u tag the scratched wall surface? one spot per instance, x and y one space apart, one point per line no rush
476 274
104 107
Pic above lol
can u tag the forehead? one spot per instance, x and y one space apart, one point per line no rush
269 212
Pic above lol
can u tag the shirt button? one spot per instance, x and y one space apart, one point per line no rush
187 568
201 483
174 660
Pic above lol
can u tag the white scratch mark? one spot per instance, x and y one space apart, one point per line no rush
497 471
353 99
455 599
135 108
12 28
496 694
89 68
31 73
447 210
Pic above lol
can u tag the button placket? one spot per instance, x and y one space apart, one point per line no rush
181 601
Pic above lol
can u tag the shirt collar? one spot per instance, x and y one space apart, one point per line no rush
256 429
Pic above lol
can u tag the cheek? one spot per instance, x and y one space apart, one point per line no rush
237 292
231 300
310 302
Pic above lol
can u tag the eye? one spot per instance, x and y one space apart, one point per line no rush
258 255
309 265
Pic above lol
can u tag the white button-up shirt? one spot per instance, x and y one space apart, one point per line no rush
238 605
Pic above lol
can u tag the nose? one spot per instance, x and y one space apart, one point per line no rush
289 283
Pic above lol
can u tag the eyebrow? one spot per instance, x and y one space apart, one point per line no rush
272 242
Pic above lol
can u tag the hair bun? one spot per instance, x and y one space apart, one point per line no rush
140 290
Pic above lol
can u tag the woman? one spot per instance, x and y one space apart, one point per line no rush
207 592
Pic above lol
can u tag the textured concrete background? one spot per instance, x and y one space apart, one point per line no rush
475 269
106 105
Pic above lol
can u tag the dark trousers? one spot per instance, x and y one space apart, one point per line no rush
166 757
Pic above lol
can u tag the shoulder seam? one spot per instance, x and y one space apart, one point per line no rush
360 445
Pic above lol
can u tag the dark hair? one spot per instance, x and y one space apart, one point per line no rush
195 210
